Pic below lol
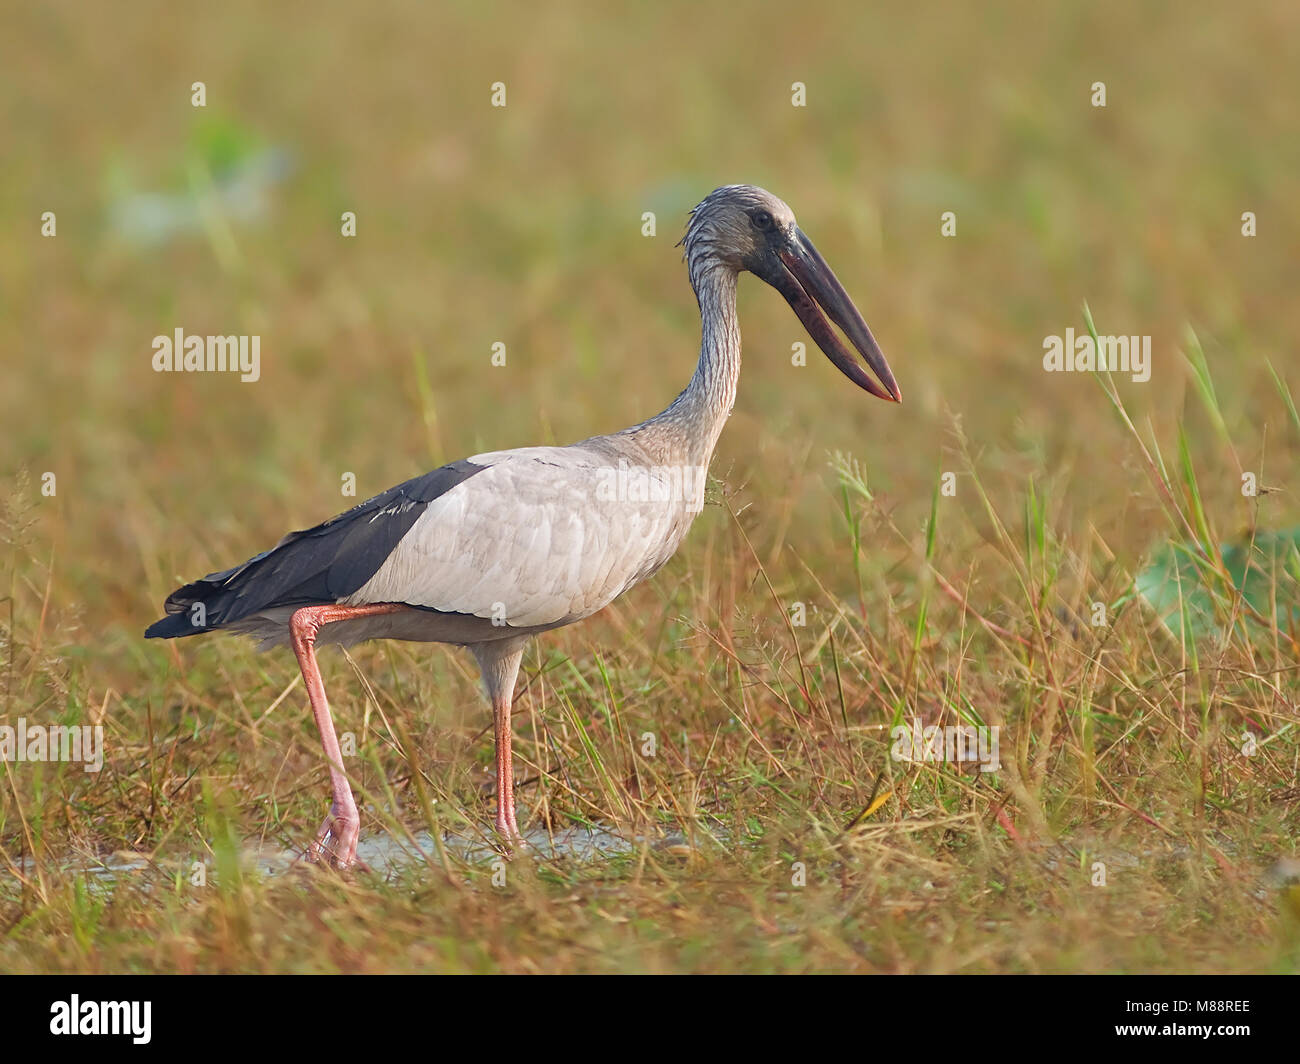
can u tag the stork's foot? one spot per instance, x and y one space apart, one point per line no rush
336 842
509 831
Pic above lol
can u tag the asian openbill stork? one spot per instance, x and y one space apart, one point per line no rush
488 551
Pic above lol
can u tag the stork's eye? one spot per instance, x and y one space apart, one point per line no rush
762 220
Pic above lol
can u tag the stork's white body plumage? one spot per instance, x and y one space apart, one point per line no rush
534 540
492 550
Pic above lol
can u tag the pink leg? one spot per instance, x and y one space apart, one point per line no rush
337 838
506 826
499 663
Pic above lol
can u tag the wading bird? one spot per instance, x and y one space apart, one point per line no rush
491 550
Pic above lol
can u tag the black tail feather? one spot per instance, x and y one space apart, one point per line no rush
317 565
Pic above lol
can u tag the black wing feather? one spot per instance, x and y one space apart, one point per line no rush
317 565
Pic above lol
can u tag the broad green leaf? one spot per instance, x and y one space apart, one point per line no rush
1179 584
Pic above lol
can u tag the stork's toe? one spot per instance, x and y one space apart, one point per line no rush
336 842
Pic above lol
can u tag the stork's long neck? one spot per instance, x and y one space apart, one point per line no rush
688 431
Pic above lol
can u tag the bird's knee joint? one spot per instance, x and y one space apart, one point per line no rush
304 625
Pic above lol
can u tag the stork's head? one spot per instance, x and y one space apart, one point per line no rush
742 227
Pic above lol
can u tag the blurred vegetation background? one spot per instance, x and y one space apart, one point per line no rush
523 224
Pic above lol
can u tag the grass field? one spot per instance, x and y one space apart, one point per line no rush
1147 793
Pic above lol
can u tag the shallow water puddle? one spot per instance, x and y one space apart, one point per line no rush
383 853
380 852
